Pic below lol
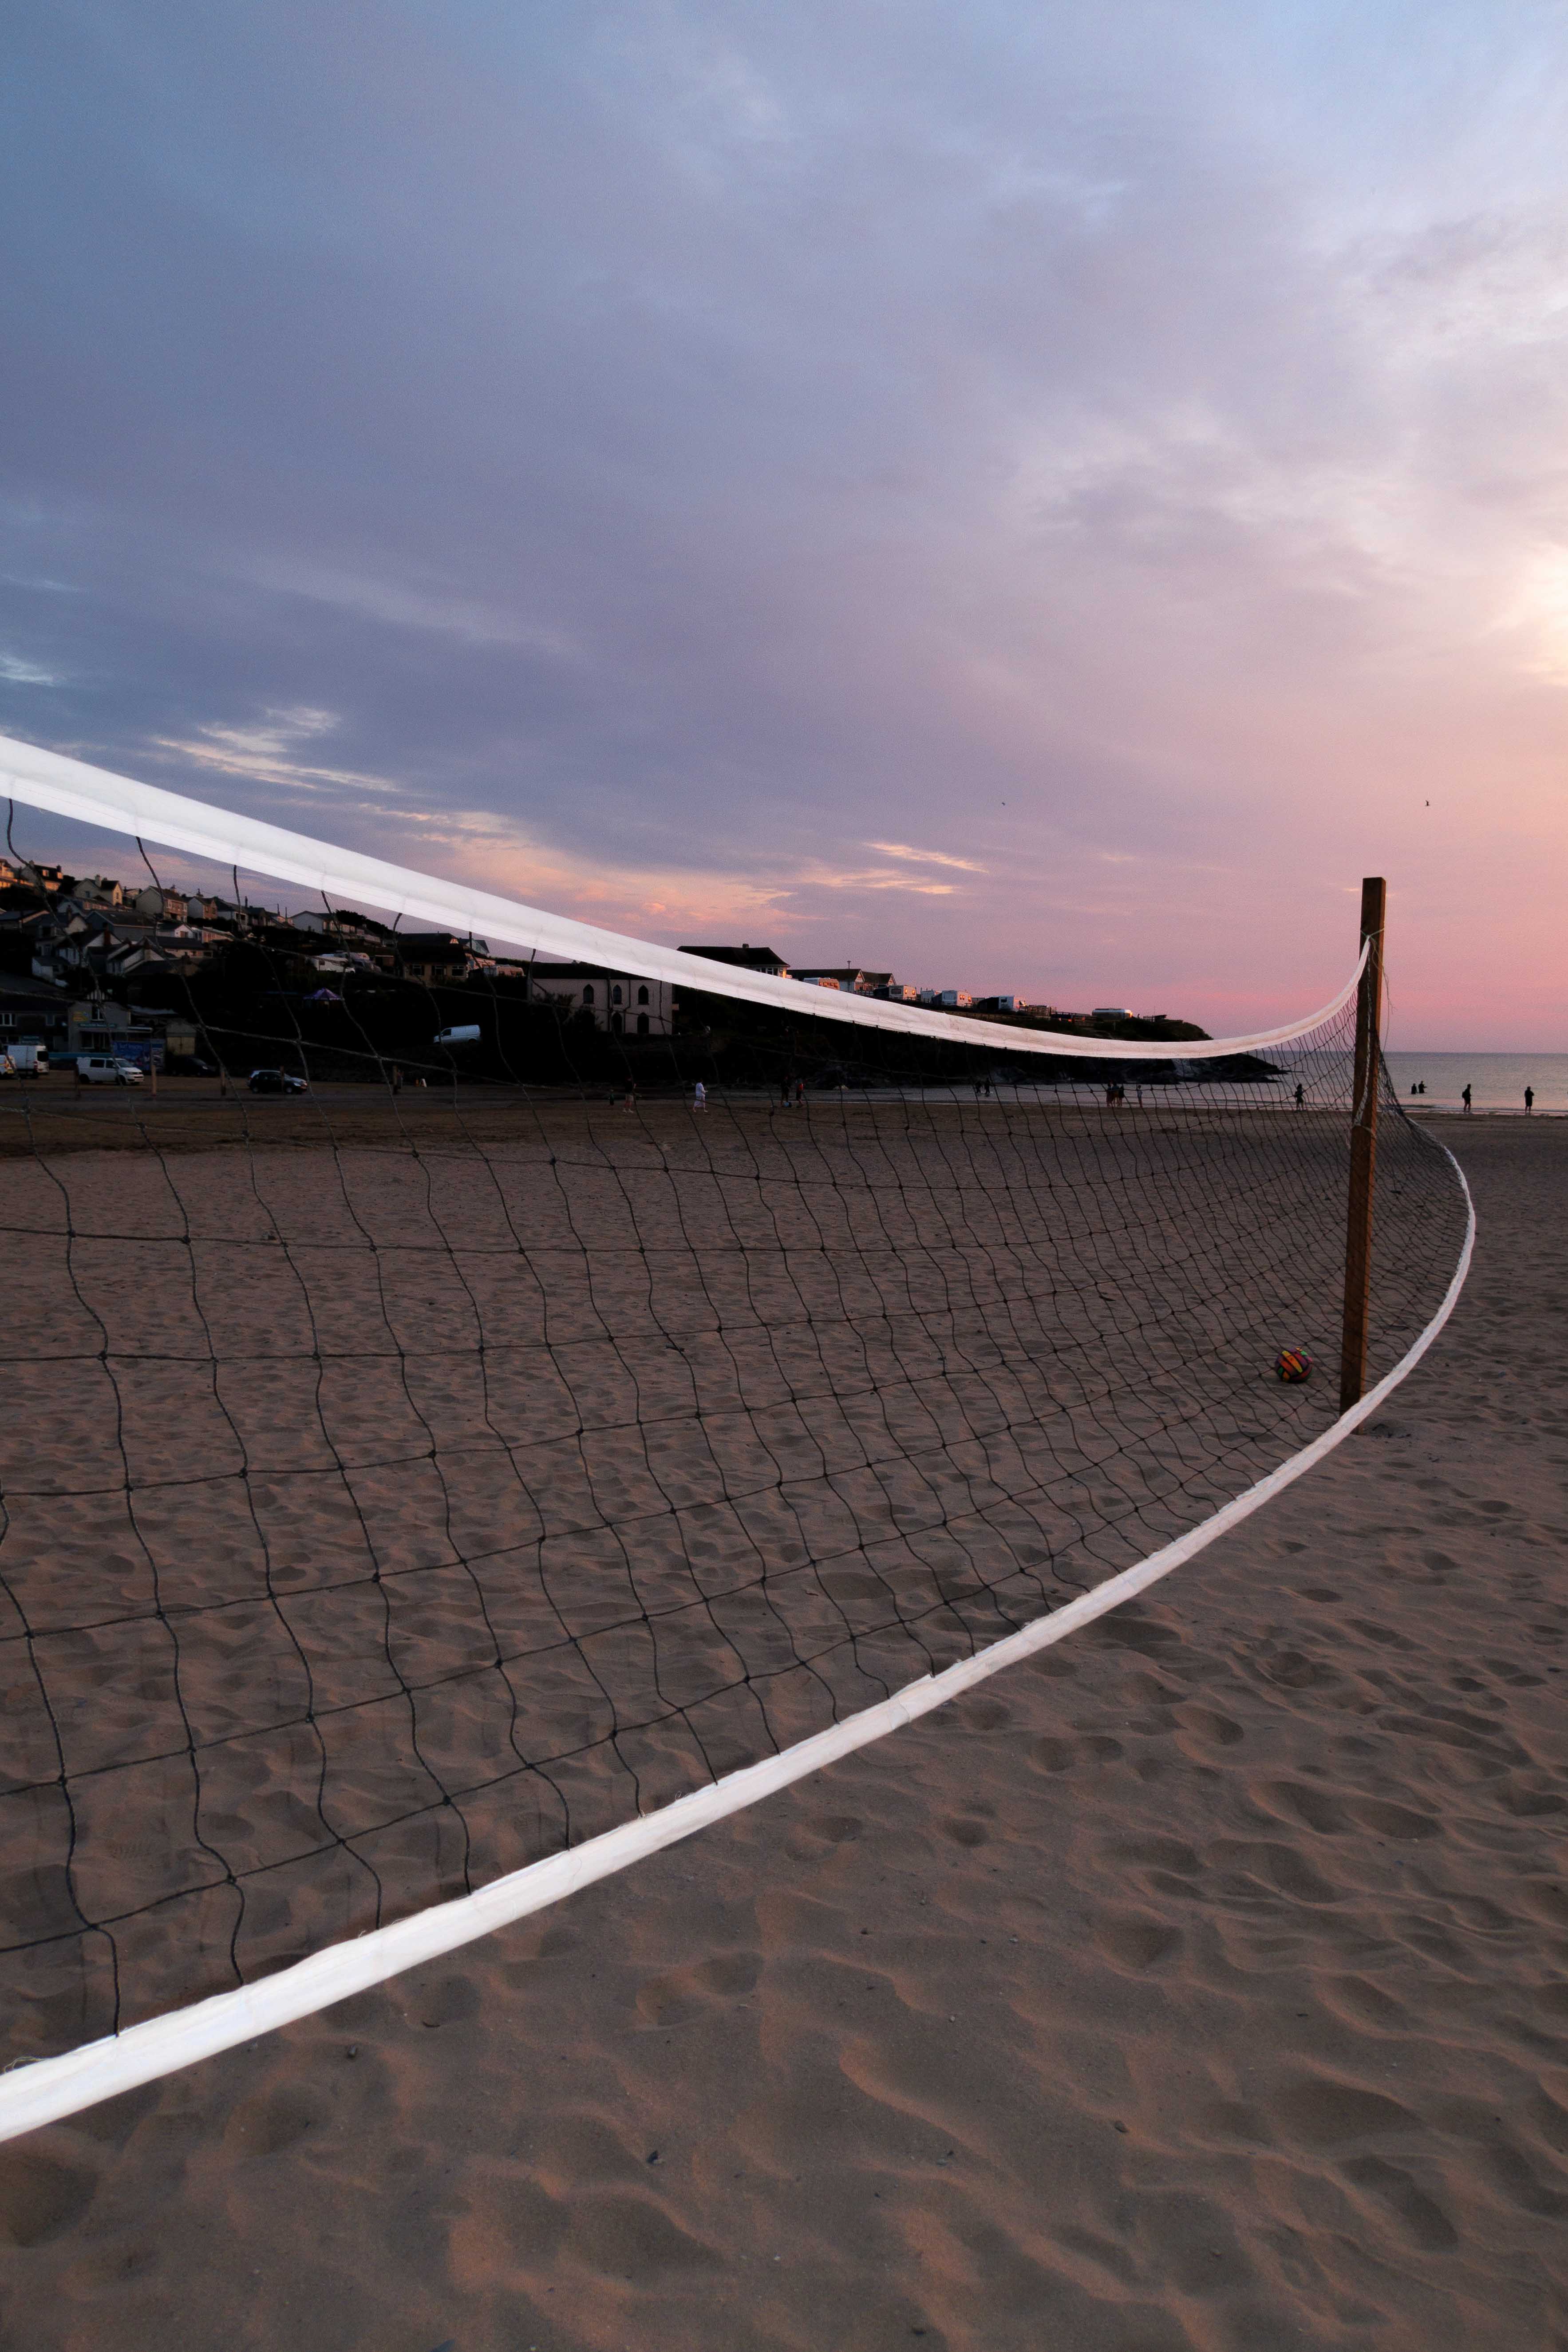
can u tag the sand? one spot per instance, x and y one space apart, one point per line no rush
377 1521
1200 1985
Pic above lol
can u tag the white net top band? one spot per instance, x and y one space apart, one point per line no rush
73 788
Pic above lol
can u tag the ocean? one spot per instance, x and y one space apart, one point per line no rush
1496 1081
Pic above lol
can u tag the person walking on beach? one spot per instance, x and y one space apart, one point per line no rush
1301 1095
1529 1102
699 1096
1465 1098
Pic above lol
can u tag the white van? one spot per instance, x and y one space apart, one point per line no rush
105 1070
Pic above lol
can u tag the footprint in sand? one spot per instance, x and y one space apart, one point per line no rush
39 2196
1300 1801
1363 2004
1293 1670
1321 2113
1423 2220
1547 1898
1265 1862
810 1840
270 2124
728 1975
1061 1755
1127 1631
1201 1727
632 2238
1529 1805
450 2001
1386 1636
1170 1857
1391 1820
1136 1943
677 1996
582 2150
1523 2185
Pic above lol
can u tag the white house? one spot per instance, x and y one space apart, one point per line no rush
620 1002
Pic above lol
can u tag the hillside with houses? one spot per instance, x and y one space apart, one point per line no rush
178 980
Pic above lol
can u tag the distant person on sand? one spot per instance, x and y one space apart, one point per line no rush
1301 1095
1465 1098
800 1094
1529 1100
699 1097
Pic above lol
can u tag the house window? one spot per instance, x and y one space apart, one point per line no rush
618 1022
616 994
642 996
642 1025
588 993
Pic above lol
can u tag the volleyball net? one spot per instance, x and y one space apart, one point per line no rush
406 1488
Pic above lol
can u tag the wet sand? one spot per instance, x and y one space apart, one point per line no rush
1199 1985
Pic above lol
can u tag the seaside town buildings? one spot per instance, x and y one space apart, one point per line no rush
881 984
92 963
89 965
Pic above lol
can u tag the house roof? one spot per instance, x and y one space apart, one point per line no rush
432 946
749 958
546 972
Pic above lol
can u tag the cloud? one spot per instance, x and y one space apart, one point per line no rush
925 857
659 899
682 442
264 753
873 878
16 671
400 605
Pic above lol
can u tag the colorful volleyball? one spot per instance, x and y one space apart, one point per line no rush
1292 1364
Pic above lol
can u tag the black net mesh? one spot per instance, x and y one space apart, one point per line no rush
404 1480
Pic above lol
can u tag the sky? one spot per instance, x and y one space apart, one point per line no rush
1035 496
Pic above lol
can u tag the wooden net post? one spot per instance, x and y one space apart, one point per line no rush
1363 1146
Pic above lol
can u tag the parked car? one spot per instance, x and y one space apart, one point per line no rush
275 1082
107 1070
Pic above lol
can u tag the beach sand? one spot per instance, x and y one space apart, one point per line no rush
1199 1985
